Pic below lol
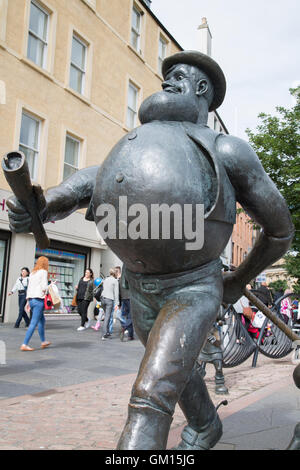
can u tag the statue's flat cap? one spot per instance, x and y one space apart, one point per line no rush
204 63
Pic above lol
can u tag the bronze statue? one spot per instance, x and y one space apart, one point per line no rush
175 158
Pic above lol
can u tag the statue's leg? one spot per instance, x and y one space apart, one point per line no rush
172 349
220 388
204 428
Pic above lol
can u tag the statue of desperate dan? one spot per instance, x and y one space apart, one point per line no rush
175 158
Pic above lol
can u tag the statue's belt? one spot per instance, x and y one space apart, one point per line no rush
155 284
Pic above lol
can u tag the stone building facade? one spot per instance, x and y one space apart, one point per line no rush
72 76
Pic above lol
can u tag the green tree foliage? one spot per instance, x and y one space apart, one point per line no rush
277 144
279 285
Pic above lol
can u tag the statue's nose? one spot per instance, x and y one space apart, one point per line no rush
165 84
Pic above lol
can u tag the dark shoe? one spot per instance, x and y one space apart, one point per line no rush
105 336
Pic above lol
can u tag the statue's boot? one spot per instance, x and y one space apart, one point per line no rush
204 439
204 427
146 428
295 442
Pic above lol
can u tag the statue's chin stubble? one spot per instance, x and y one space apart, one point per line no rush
163 106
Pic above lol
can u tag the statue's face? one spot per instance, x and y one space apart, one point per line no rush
178 101
180 80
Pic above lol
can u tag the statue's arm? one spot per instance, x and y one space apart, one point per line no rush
58 202
72 194
262 201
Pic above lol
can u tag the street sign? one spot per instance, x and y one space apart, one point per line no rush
261 278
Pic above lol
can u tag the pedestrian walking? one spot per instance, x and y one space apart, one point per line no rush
125 316
109 300
36 290
84 297
286 308
21 287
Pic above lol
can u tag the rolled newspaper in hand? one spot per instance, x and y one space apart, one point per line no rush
17 175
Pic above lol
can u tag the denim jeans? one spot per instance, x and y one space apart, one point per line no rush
126 317
107 305
22 313
38 320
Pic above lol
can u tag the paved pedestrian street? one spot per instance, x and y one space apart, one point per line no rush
74 395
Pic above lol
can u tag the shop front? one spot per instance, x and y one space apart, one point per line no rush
67 263
74 245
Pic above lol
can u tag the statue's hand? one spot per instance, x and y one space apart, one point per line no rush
233 288
19 218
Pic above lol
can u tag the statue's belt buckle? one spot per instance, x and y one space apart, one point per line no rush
150 287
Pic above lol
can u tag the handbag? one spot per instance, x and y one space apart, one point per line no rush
74 301
48 304
53 291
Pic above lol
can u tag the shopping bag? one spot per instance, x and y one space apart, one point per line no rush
258 320
53 291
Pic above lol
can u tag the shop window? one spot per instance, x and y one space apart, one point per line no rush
66 268
136 21
162 52
132 106
72 152
30 141
38 34
78 64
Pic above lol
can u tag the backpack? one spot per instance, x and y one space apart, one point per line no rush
98 291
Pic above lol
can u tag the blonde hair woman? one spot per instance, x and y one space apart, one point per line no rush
37 288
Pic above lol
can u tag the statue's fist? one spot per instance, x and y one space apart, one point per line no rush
19 218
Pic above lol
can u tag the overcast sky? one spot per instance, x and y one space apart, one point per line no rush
256 43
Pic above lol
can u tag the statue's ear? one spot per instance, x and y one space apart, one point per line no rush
201 87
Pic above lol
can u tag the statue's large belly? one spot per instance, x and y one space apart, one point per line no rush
153 165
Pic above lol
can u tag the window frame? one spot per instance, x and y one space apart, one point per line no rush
78 38
162 39
128 108
36 151
31 33
72 137
140 13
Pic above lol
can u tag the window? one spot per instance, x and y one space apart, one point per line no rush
78 65
71 161
132 106
136 29
38 35
29 141
162 52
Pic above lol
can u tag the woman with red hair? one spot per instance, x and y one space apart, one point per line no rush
37 288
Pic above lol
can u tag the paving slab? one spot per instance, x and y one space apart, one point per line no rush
74 394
